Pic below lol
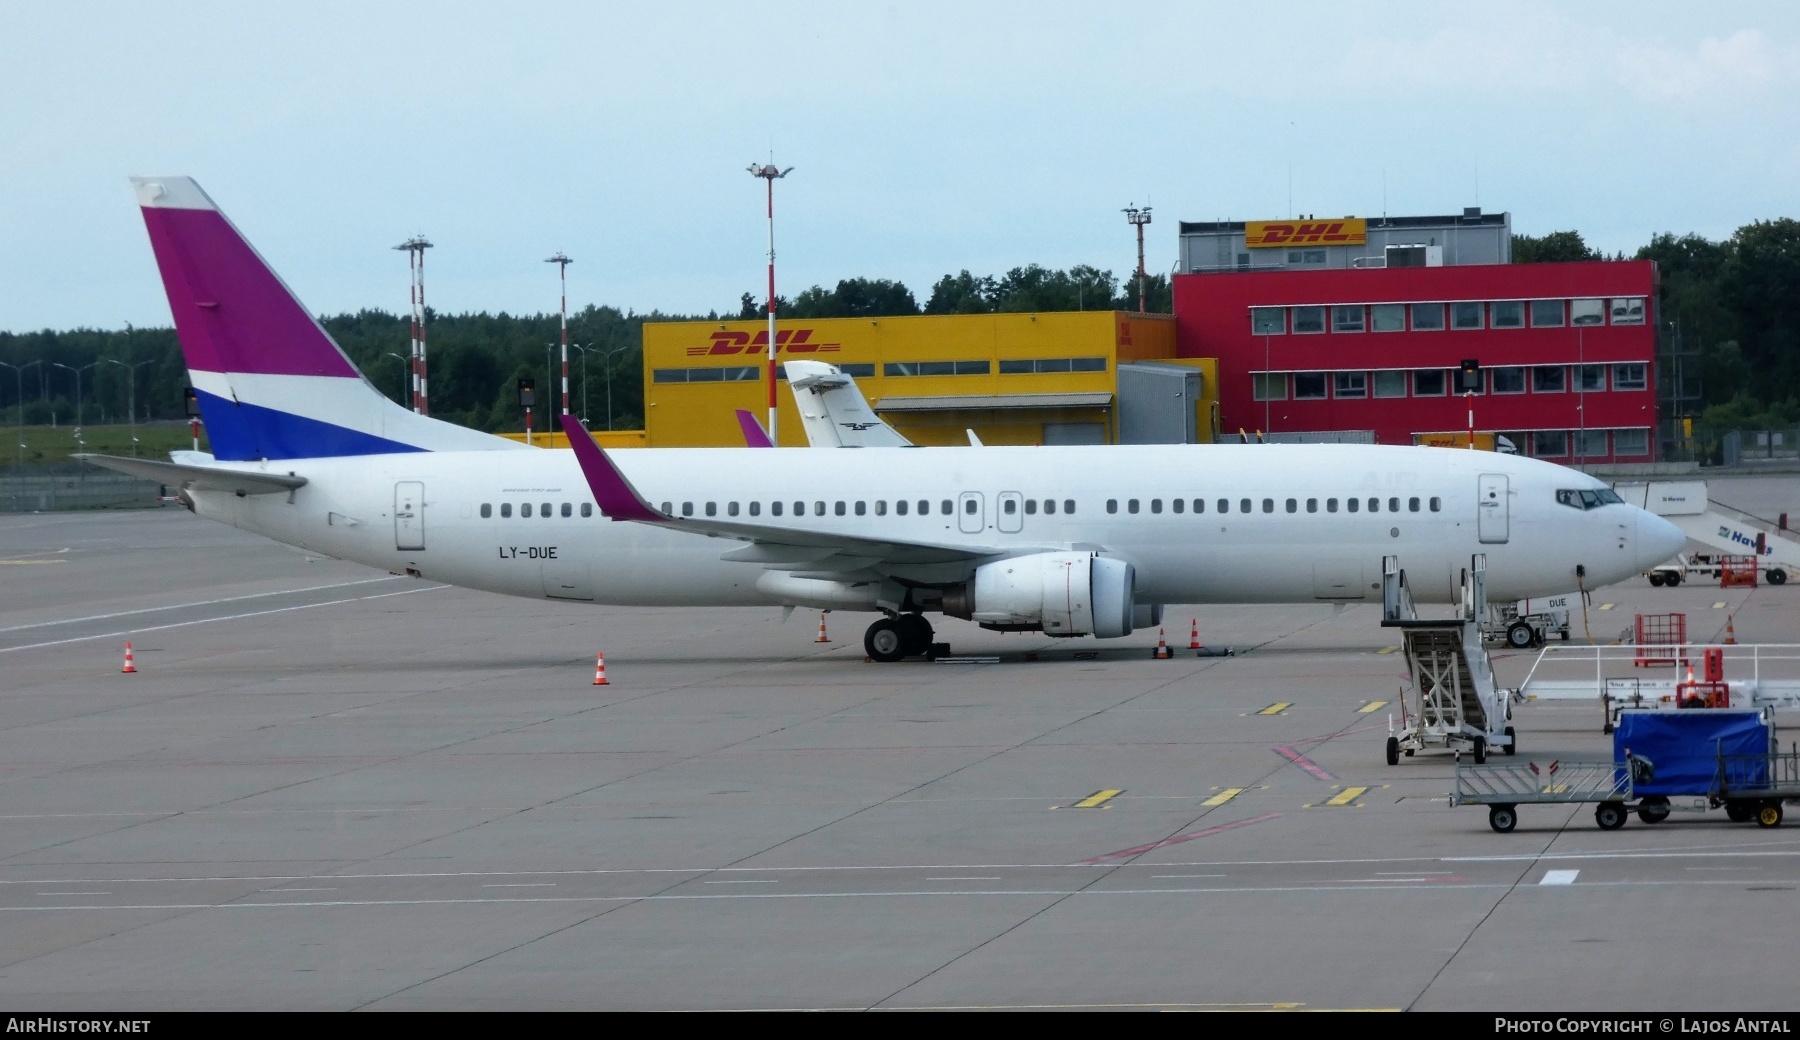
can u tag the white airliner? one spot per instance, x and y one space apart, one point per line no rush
1069 541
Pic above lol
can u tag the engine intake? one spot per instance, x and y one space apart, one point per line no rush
1059 593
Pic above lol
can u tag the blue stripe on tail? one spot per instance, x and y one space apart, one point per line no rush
247 432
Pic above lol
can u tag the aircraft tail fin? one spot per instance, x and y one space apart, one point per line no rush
754 434
270 381
834 411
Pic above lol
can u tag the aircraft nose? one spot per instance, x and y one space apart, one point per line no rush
1658 540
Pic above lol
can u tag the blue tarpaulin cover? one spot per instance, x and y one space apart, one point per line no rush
1683 745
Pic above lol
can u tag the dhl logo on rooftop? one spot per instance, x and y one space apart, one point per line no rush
793 341
1351 231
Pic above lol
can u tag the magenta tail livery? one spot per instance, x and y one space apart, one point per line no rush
1069 541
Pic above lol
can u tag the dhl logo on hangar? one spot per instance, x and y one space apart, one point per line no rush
792 341
1264 234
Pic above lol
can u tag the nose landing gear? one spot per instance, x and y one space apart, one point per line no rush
892 639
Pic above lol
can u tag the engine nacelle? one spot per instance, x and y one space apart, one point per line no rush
1061 593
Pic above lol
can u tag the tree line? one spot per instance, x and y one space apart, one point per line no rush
1732 305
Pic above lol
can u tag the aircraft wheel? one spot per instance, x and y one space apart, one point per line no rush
1512 743
1393 751
1503 818
915 634
1777 576
1609 815
1769 814
1519 635
884 641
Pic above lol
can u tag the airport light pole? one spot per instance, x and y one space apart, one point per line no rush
1137 218
583 350
770 174
608 355
77 369
562 263
404 382
19 393
131 392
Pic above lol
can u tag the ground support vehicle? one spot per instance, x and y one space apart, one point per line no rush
1753 787
1503 788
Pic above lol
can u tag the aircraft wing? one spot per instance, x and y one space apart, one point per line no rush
198 478
808 552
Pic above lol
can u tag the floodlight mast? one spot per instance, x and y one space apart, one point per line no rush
1138 218
562 272
771 174
415 260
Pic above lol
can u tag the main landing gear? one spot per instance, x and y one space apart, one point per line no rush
892 639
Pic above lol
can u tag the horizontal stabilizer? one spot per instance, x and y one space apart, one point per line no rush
198 478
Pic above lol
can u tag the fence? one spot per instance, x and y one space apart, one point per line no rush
71 485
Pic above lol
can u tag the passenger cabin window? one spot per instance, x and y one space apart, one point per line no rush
1331 505
880 507
587 509
1412 505
1112 505
544 510
1009 507
900 507
1436 504
862 509
1312 505
1156 505
1352 504
1268 505
1199 505
1393 505
1224 505
567 509
687 509
712 509
506 509
774 508
969 507
1131 505
525 509
948 507
838 509
819 508
756 508
1068 505
731 509
1293 505
1243 505
1177 504
487 510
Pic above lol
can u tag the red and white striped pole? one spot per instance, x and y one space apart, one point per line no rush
771 174
1469 397
562 272
415 262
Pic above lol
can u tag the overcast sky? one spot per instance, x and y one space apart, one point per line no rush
925 138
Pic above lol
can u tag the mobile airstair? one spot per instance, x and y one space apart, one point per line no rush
1726 528
1453 703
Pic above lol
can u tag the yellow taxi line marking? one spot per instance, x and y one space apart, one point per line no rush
1719 605
1346 796
1277 708
1224 796
1371 707
1098 799
1387 649
27 563
1606 606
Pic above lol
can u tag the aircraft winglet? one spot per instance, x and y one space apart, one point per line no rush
617 499
754 434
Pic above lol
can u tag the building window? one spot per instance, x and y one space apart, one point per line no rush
1546 314
1390 384
1547 379
1587 312
1428 382
715 374
1306 256
1350 384
935 368
1506 314
1550 444
1042 365
1631 442
1629 377
1465 315
1268 321
1590 379
1628 311
1508 380
1346 319
1309 386
1388 317
1309 319
1428 317
1590 444
1269 386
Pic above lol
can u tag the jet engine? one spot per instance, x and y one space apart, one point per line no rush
1058 593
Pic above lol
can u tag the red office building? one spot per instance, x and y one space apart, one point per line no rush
1346 340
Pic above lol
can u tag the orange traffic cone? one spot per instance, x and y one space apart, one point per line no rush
600 670
823 638
1730 633
1162 651
129 667
1194 636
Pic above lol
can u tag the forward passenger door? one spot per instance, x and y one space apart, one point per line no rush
970 516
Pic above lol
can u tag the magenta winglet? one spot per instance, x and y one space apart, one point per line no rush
754 435
615 496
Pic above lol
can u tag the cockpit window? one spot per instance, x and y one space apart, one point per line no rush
1587 498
